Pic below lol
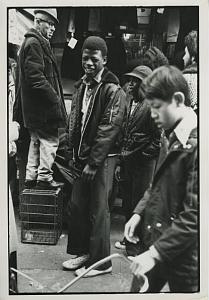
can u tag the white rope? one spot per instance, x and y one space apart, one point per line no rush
100 262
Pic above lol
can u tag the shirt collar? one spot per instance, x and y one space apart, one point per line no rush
185 126
97 77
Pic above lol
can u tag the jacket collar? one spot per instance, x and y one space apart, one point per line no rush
185 126
106 77
43 41
96 78
191 69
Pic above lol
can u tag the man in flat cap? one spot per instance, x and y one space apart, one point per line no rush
97 113
40 104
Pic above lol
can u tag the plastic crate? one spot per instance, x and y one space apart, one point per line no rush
41 216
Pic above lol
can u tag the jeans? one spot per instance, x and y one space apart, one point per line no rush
41 155
89 215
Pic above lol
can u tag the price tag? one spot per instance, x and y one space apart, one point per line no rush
72 43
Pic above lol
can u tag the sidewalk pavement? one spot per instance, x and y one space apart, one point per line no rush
44 264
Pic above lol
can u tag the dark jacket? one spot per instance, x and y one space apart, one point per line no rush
39 96
141 136
169 209
103 121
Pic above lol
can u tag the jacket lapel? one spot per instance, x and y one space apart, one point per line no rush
137 111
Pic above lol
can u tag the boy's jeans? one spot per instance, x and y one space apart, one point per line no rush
41 154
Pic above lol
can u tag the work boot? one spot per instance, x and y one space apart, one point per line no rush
29 184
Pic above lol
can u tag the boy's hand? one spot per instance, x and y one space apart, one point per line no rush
130 228
142 263
89 173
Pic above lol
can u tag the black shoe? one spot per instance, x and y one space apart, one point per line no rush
29 184
48 185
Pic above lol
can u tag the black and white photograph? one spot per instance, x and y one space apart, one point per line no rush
104 149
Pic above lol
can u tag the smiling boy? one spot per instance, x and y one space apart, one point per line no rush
97 113
167 215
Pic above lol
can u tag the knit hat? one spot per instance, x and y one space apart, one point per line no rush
95 43
154 58
140 72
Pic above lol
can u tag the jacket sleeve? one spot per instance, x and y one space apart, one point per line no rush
139 209
34 72
153 147
110 125
183 231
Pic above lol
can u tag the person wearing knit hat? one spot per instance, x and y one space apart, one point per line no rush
140 149
154 58
40 106
97 113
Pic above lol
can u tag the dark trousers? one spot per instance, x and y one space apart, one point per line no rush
137 176
89 215
162 274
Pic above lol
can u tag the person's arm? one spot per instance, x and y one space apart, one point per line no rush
183 231
34 72
152 149
109 127
139 209
179 236
131 225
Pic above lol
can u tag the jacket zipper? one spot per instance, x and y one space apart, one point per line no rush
111 114
84 128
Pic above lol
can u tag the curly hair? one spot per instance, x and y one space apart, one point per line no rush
154 58
190 42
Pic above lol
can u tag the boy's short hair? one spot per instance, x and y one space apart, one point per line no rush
95 43
164 82
190 42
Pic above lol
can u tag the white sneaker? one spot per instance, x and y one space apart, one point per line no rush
75 263
92 272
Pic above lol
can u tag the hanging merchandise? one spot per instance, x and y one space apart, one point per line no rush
72 42
173 25
143 15
71 25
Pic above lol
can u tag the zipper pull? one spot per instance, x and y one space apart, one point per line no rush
111 113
